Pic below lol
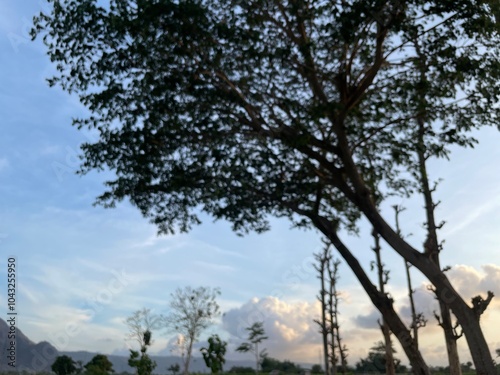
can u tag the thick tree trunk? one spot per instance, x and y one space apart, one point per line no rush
383 303
466 316
358 193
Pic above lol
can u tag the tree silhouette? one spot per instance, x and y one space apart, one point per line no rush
297 109
255 336
64 365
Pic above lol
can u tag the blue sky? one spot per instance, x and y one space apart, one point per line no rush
83 269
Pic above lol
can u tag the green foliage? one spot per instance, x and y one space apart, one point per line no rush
174 369
287 367
64 365
376 361
296 109
316 369
256 336
99 365
214 354
143 363
220 106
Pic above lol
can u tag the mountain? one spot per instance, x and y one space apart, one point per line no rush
39 357
28 355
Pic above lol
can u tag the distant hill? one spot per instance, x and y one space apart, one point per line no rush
39 357
29 356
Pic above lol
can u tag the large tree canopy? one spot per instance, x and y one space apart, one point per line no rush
292 108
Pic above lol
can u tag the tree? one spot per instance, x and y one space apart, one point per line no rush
316 369
334 315
255 336
64 365
214 354
377 361
99 365
142 362
191 312
323 261
140 322
286 367
327 269
174 369
289 108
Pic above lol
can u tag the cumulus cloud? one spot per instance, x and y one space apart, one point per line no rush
289 326
470 282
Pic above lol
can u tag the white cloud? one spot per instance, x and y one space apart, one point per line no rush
470 282
289 326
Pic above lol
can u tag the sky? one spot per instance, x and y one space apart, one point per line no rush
82 270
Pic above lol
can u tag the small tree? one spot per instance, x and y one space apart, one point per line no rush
214 354
99 365
191 311
144 365
174 369
64 365
255 337
377 360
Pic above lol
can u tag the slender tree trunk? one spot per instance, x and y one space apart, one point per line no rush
256 358
432 248
342 349
417 320
323 260
331 313
414 318
382 280
188 355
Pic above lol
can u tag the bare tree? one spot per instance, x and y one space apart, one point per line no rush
417 319
334 305
383 278
333 350
140 322
323 260
191 311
